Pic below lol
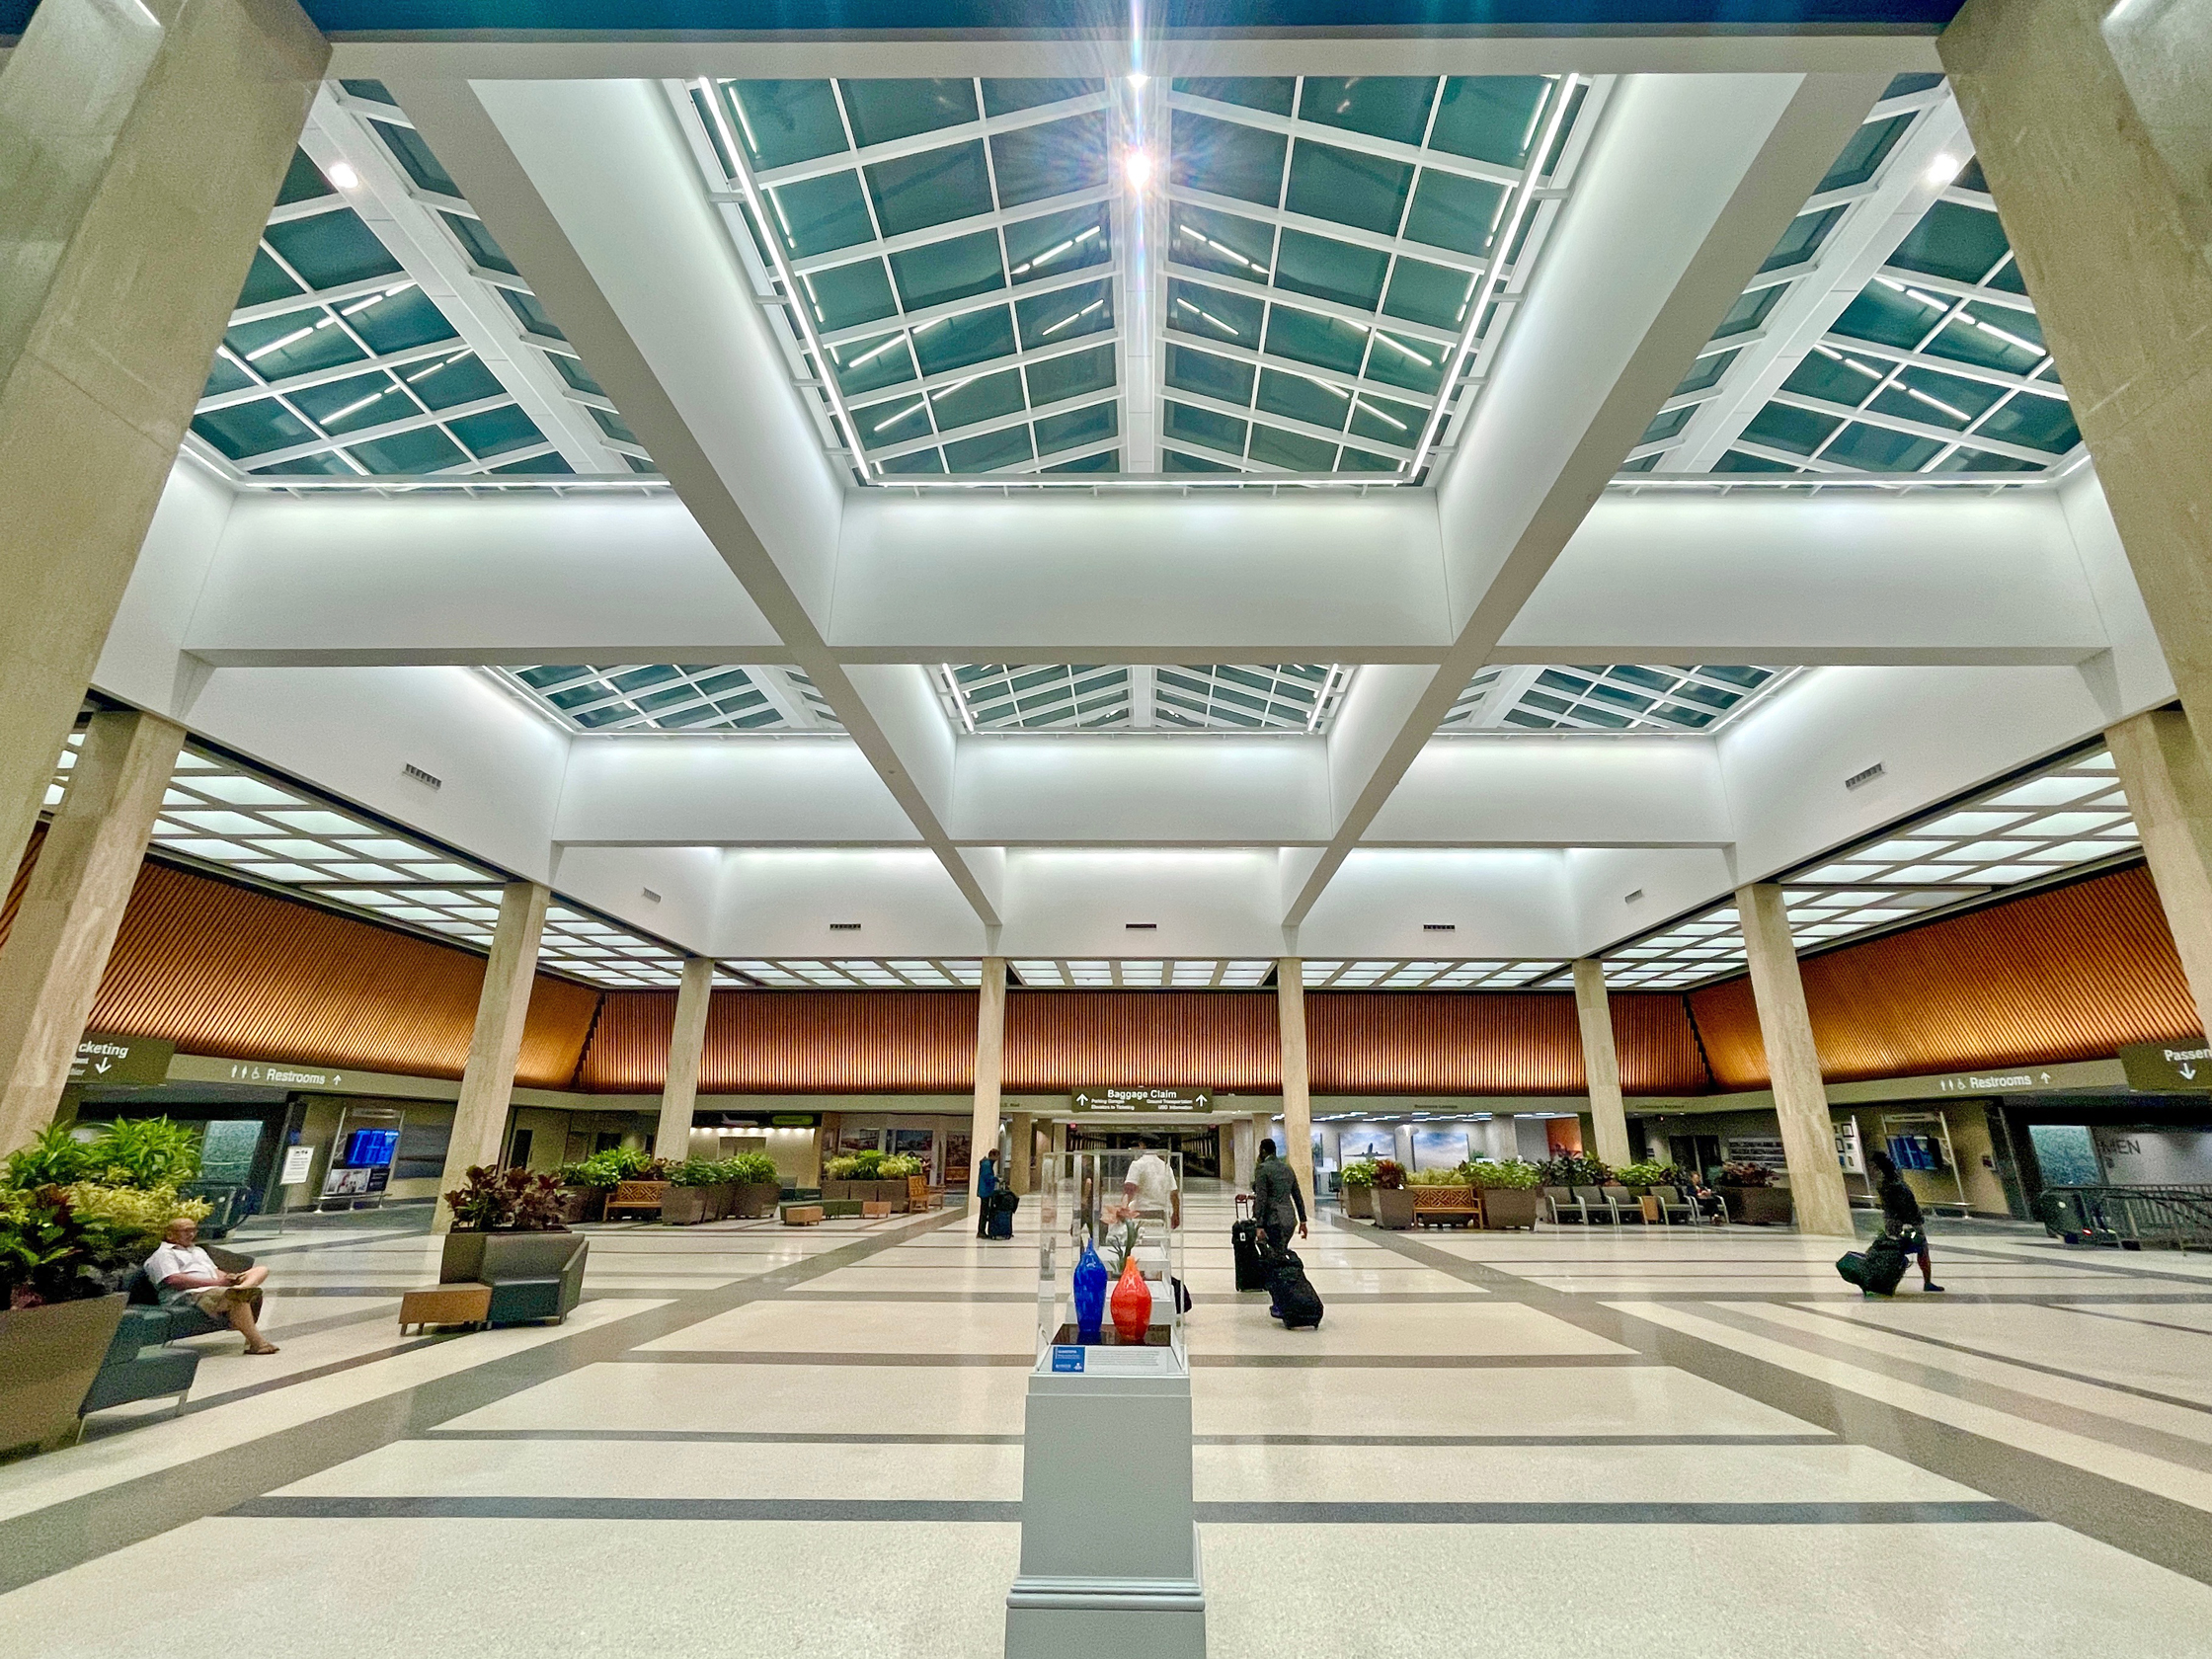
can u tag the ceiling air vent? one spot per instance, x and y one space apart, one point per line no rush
1440 927
1141 926
650 895
420 776
844 927
1631 898
1867 776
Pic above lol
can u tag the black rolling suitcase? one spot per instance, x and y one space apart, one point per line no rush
1244 1245
1296 1299
999 1224
1877 1269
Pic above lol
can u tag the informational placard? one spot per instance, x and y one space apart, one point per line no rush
1766 1150
1850 1150
1067 1356
298 1160
1142 1100
108 1056
2168 1068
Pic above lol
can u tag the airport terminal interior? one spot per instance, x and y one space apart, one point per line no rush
1157 827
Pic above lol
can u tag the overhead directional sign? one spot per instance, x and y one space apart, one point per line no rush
2168 1068
1136 1100
1994 1082
106 1057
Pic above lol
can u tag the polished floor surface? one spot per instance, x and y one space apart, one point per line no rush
759 1439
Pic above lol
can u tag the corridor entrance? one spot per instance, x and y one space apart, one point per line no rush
1201 1146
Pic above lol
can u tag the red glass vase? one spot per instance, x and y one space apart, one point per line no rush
1131 1304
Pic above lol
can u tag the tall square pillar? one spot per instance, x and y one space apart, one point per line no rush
502 1008
1785 1026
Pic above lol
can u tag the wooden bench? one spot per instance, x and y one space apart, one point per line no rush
640 1196
802 1214
462 1303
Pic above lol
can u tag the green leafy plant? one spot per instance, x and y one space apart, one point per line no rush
1649 1175
1506 1172
697 1172
755 1169
1357 1174
1439 1178
137 1218
57 1157
1746 1175
1575 1169
493 1200
859 1166
144 1152
897 1167
1389 1174
49 1252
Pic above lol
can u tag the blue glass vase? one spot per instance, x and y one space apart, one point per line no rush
1090 1293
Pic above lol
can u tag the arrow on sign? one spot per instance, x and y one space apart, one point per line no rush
2046 1076
99 1065
2186 1071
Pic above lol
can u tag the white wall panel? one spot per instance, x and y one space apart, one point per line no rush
716 791
1500 903
1204 903
1222 790
781 903
1574 791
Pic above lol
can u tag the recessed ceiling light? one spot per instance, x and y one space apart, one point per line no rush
1137 166
341 175
1944 168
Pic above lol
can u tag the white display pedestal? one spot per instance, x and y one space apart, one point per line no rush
1109 1542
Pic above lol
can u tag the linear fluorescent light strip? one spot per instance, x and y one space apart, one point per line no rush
1524 196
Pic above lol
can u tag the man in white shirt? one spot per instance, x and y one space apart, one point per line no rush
182 1271
1150 1185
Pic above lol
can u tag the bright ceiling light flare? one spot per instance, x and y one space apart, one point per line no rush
1944 168
341 175
1136 168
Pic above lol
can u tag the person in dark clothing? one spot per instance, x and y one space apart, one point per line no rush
986 1183
1901 1217
1277 1203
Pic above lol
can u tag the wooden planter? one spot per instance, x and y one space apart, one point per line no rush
753 1200
1510 1206
1393 1208
1760 1206
687 1206
580 1204
49 1357
1442 1206
1355 1200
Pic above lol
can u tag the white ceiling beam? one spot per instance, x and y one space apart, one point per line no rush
574 179
1687 185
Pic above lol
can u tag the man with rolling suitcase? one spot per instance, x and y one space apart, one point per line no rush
1244 1246
1281 1206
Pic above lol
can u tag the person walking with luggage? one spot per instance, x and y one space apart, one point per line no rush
1281 1206
986 1183
1901 1217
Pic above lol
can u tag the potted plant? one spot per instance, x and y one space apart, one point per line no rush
1752 1195
1354 1186
1574 1169
1508 1192
1442 1197
689 1199
584 1189
506 1225
758 1185
843 1174
892 1175
59 1307
1393 1204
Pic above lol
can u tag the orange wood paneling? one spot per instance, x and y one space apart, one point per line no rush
225 971
1061 1040
1410 1043
2067 975
831 1042
21 883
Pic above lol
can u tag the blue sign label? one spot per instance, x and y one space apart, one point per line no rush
1066 1357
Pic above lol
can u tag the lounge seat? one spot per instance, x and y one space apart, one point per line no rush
1672 1204
1566 1206
140 1365
1596 1206
1623 1203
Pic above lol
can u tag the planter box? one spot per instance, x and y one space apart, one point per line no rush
722 1198
754 1200
49 1357
1393 1209
892 1192
687 1206
1510 1206
1760 1206
1442 1206
1355 1200
581 1204
493 1258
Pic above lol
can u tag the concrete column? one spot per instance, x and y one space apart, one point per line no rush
502 1009
688 1042
1245 1152
2088 118
1809 1140
1021 1147
140 150
1297 1102
991 1062
1609 1119
50 972
2169 792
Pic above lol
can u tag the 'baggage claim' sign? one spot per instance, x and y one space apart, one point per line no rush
1136 1100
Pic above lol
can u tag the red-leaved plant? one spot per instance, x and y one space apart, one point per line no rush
493 1200
1389 1174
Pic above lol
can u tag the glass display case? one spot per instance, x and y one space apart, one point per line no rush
1110 1262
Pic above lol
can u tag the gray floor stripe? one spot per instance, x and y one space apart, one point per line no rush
761 1438
938 1510
1199 1362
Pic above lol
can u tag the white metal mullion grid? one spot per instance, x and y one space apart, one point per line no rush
1005 264
638 717
1645 720
1277 677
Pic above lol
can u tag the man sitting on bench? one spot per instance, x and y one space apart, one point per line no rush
182 1271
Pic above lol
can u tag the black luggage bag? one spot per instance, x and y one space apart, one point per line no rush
1244 1245
999 1219
1877 1269
1296 1299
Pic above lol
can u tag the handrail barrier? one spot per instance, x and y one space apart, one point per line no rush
2129 1217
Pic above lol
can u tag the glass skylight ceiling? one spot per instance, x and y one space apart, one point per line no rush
1211 697
2071 815
669 698
1427 975
219 814
855 974
339 364
1889 333
1622 697
1279 277
1142 976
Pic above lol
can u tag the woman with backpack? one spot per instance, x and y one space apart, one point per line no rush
1901 1217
